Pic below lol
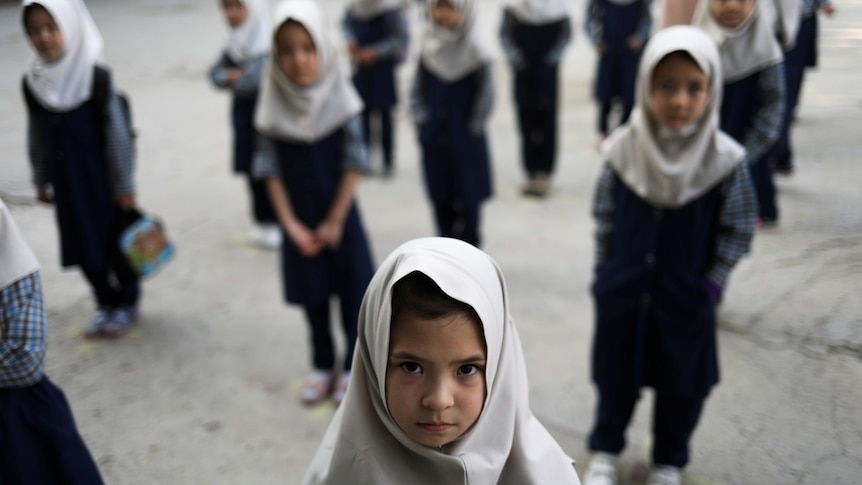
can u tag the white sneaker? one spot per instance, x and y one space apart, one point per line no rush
664 475
602 470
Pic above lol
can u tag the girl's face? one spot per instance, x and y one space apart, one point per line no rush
446 14
435 376
679 91
235 11
731 13
44 33
296 54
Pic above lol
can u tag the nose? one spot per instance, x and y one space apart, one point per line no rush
438 396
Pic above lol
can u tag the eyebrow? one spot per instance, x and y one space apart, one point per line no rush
409 356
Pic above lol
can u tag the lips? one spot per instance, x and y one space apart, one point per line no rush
436 427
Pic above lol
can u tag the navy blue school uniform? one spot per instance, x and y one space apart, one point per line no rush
455 161
536 92
311 173
655 323
39 444
376 82
741 103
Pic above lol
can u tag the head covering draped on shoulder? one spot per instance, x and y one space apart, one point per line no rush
307 113
16 258
254 37
747 48
507 444
538 12
66 83
671 168
366 9
452 54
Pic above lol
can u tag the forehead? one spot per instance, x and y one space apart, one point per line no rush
292 31
451 335
37 13
678 64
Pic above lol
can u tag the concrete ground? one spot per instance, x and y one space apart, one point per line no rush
205 390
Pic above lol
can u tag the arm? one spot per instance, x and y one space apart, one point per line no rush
418 108
37 158
265 167
556 52
356 161
735 225
118 152
766 123
645 24
219 72
484 100
397 38
23 324
603 213
249 77
593 22
507 40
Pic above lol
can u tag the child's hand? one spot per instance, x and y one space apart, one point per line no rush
366 56
43 196
601 47
828 9
233 75
304 240
635 43
352 49
125 201
329 233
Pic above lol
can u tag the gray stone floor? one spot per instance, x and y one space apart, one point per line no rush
205 390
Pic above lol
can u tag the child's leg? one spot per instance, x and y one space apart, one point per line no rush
386 138
470 224
366 126
674 421
627 111
613 414
322 351
349 318
604 113
548 148
260 204
764 187
100 282
445 217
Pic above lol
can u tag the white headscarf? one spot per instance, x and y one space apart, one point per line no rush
539 12
507 444
254 36
366 9
16 258
787 15
288 111
671 168
66 83
452 54
748 48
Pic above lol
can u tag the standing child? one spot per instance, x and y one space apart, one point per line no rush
753 105
440 392
239 70
376 34
81 154
312 154
39 444
618 29
534 34
450 102
674 210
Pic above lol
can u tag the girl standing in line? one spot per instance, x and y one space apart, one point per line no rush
534 34
754 89
81 155
440 393
618 29
39 443
239 70
312 154
674 212
376 34
450 101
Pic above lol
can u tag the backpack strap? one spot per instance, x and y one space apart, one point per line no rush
101 95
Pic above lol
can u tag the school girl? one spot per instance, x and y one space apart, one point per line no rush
239 69
376 35
534 34
797 60
312 154
450 101
81 154
39 444
618 29
674 212
753 69
440 392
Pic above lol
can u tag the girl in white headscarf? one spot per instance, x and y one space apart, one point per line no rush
440 392
239 70
39 443
450 102
534 34
312 154
752 61
81 154
376 34
674 212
